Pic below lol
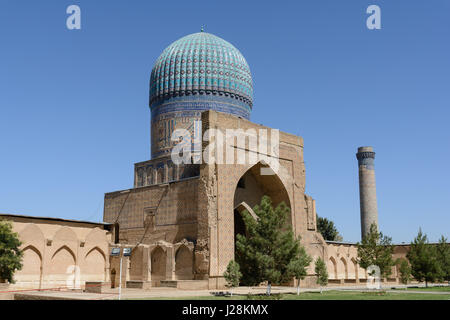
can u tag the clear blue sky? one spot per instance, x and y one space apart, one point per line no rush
74 111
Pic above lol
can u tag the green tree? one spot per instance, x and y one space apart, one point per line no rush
327 229
297 267
268 247
321 273
376 249
232 275
443 257
404 269
423 258
10 254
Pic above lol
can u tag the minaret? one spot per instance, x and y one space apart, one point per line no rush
367 189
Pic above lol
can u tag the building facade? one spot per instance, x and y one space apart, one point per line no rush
61 253
181 219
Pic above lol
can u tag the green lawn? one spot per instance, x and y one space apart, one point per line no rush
354 295
330 295
432 289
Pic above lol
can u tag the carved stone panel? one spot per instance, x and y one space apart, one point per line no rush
310 212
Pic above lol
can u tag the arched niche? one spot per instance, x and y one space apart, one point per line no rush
158 263
184 263
31 272
332 268
62 264
342 269
94 266
353 273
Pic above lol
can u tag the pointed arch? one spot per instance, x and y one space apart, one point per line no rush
158 263
100 251
64 236
342 269
184 262
61 264
244 206
33 248
353 272
64 247
250 187
31 272
94 266
332 268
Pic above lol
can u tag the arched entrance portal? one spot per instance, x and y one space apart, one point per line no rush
251 187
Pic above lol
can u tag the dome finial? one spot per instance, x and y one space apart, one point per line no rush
202 29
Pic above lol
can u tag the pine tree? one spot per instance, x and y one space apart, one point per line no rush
376 249
327 229
321 273
443 257
10 254
297 267
232 275
423 258
404 269
268 247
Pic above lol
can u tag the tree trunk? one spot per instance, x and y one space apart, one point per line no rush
269 288
426 284
298 287
320 289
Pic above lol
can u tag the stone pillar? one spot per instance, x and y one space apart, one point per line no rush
166 172
170 266
126 269
367 189
146 275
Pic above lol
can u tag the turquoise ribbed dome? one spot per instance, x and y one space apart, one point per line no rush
202 64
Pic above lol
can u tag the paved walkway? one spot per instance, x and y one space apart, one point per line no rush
112 294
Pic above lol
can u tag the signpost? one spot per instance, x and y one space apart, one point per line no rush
115 252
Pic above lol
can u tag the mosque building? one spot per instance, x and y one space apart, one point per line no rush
180 220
